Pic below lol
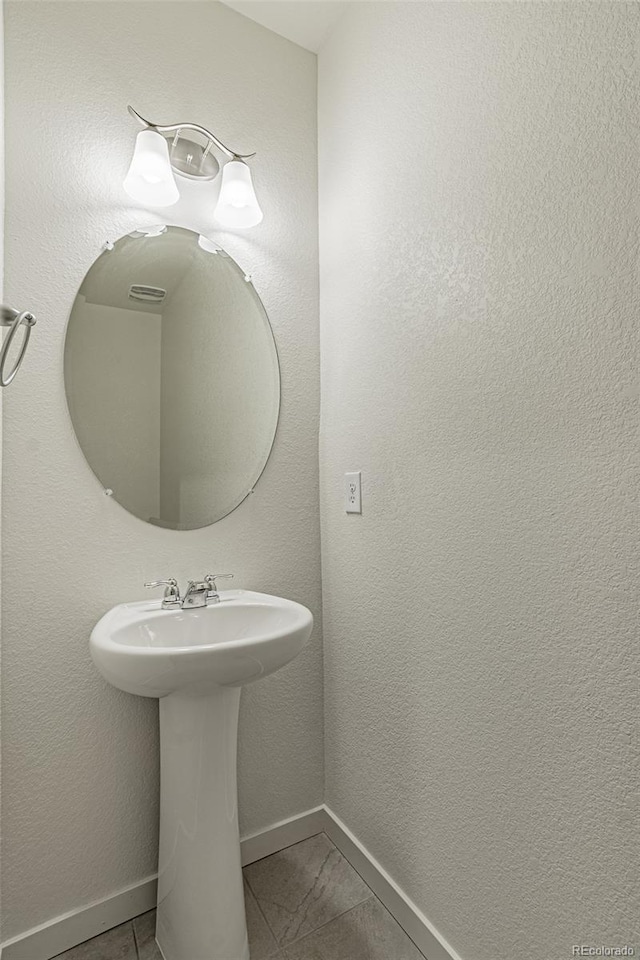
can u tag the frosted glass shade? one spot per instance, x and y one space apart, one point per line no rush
237 204
150 179
206 243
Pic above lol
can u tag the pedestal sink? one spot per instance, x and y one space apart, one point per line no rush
196 661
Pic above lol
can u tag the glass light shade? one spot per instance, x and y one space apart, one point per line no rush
237 204
150 179
154 231
205 243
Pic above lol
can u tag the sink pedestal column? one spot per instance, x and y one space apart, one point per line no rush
200 892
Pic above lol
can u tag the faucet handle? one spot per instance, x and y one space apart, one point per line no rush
211 578
171 593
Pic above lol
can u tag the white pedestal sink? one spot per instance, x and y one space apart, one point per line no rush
196 661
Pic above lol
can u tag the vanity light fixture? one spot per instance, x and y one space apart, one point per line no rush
158 157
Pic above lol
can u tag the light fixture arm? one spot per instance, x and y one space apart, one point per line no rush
189 126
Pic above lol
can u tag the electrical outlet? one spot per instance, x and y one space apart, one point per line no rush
352 493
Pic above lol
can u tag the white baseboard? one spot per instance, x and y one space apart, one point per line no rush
282 834
425 936
64 932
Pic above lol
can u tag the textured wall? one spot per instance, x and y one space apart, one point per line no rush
479 172
80 758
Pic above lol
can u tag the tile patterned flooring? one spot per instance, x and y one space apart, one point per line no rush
303 903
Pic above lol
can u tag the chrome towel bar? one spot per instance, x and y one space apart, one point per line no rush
13 319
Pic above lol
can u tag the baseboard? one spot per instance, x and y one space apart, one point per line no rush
282 834
64 932
425 936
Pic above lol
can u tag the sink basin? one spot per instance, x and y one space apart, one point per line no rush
151 652
196 661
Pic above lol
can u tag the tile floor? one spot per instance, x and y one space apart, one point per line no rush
303 903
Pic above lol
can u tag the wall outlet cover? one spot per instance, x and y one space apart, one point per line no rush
353 492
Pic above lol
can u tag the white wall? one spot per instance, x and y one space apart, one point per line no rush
479 172
80 758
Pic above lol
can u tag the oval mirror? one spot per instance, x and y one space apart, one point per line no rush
172 380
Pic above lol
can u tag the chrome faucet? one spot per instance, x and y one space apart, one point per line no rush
198 593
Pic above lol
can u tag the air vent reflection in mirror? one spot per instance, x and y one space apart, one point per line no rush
138 291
